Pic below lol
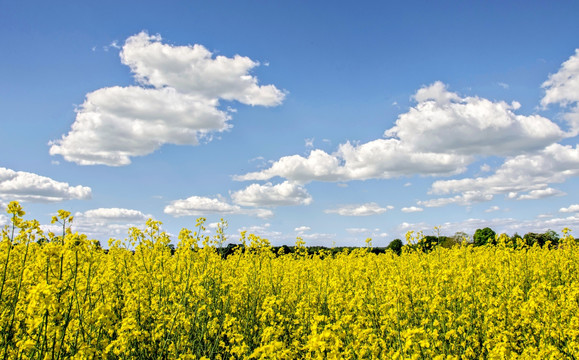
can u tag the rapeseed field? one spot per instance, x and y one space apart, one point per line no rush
64 297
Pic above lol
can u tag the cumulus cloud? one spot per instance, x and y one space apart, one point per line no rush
302 229
26 186
563 88
382 158
492 209
444 122
540 194
440 136
114 214
201 206
359 210
571 209
358 230
283 194
467 198
411 209
177 102
529 174
315 238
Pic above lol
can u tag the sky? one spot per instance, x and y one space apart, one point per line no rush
330 121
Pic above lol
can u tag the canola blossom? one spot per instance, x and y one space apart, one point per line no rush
64 297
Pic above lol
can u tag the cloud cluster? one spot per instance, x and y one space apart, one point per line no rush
177 102
444 122
563 88
440 136
202 206
26 186
381 159
359 209
571 209
529 174
283 194
114 214
411 209
301 229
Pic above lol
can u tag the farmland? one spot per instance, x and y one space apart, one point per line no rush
63 296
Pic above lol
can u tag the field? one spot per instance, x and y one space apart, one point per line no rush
63 296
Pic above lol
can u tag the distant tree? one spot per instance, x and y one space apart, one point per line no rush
515 238
541 239
428 243
552 236
286 249
172 248
449 241
229 249
534 238
484 236
460 236
396 246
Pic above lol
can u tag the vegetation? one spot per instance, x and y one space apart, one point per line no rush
65 297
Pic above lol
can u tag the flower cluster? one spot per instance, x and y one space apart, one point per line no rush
65 297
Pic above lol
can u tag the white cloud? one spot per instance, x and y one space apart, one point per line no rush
382 158
302 229
3 218
527 173
563 88
117 123
440 136
178 103
193 70
444 122
540 194
358 230
25 186
485 168
359 210
201 206
411 209
492 209
465 199
114 214
283 194
571 209
503 85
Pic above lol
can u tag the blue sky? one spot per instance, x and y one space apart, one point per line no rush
333 121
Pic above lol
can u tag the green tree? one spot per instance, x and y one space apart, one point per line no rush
541 239
428 243
396 246
484 236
